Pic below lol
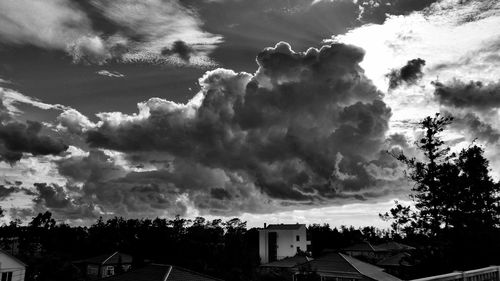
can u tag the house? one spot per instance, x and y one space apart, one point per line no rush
161 272
376 253
365 250
341 267
11 269
105 265
278 241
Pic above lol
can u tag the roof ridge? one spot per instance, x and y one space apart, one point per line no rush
12 257
168 273
342 255
109 257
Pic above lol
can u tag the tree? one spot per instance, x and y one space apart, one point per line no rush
451 191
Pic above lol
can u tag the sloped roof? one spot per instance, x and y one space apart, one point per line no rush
394 246
332 262
337 264
12 257
395 260
113 258
362 247
368 270
161 272
285 226
288 262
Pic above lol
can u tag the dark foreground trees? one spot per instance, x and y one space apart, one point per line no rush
456 203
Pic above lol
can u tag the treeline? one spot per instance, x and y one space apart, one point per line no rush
224 249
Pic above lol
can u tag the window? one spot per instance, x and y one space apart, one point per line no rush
7 276
297 238
298 249
92 270
110 270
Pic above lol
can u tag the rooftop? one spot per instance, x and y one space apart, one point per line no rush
285 226
384 247
161 272
337 264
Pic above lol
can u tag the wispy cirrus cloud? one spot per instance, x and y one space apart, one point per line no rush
142 31
112 74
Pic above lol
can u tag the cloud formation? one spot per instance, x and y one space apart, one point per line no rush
408 74
17 137
140 30
473 94
300 131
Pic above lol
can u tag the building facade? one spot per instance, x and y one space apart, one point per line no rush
104 265
278 241
11 269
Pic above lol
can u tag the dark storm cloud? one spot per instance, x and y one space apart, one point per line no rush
17 138
56 199
408 74
474 94
299 130
7 191
113 190
179 48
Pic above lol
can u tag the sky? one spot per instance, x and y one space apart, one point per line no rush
273 111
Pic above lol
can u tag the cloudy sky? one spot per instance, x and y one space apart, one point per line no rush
274 111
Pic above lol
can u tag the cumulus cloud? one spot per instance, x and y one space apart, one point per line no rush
56 199
17 138
408 74
74 122
299 131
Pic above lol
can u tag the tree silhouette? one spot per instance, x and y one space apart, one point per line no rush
456 202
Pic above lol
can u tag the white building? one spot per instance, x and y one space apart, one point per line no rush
11 269
278 241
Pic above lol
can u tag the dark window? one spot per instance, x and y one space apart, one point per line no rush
297 238
7 276
272 246
298 249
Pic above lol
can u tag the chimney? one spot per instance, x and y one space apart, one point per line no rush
265 224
